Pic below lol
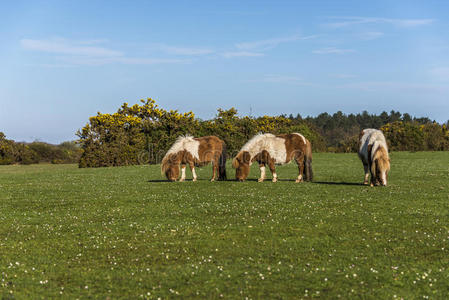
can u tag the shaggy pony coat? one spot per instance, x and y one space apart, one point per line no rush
272 150
195 152
373 152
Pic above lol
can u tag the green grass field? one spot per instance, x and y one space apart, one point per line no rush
125 233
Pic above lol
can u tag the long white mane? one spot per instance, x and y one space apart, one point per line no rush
269 142
186 142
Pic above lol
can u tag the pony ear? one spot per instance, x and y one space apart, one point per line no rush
246 157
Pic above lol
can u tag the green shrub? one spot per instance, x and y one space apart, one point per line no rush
12 152
147 131
412 136
143 133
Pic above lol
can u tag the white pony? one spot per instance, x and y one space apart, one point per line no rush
373 151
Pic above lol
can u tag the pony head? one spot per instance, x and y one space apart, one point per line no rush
382 166
170 166
241 165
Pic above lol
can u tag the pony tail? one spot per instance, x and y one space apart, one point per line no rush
222 163
308 172
164 164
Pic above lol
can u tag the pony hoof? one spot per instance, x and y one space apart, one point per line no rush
194 179
260 180
371 185
181 180
298 180
212 180
274 180
365 182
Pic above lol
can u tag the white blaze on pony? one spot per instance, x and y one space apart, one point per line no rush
373 151
195 152
271 150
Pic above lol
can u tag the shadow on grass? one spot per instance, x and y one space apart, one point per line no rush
266 180
338 183
186 180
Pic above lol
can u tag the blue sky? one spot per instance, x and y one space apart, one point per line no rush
62 61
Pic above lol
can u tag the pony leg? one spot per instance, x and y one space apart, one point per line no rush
214 171
192 168
272 167
262 173
366 168
299 160
373 176
183 173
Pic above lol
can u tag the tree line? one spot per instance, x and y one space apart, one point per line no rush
143 132
12 152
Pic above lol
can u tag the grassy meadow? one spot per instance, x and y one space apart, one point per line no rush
126 233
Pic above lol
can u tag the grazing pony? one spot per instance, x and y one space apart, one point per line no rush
373 152
271 150
195 152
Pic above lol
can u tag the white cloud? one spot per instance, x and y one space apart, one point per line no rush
273 78
349 21
150 61
271 43
343 76
62 46
332 50
440 73
410 22
281 78
92 42
371 35
73 53
182 50
98 61
241 54
406 87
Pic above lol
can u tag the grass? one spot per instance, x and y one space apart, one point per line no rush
125 233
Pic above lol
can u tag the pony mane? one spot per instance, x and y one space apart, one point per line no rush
266 141
178 145
251 146
380 156
303 138
379 152
252 143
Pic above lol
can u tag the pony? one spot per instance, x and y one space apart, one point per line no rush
195 152
373 152
269 149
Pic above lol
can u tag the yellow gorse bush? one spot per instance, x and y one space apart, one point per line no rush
143 132
124 137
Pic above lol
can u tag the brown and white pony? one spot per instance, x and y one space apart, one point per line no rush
373 151
271 150
195 152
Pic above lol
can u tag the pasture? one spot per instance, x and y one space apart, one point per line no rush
127 233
